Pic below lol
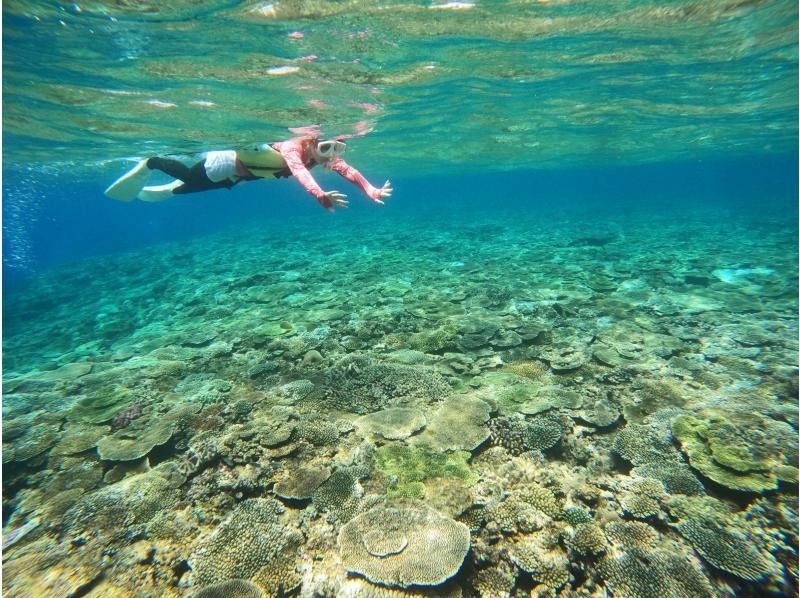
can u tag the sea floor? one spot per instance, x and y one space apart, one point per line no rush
484 406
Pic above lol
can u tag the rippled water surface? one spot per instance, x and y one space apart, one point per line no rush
452 85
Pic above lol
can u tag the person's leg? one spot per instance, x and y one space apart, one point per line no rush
189 180
174 168
197 180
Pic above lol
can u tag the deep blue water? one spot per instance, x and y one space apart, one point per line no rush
50 218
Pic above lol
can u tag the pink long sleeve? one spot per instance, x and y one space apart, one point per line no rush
346 171
292 152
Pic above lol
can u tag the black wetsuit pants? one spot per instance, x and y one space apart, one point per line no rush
194 179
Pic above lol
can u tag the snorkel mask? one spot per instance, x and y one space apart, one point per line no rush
331 148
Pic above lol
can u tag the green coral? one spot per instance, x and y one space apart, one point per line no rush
743 451
415 490
407 466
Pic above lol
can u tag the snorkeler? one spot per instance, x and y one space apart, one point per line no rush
224 169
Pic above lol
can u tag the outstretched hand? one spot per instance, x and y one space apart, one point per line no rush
333 199
383 192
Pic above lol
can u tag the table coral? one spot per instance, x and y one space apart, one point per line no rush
403 545
459 424
638 573
364 385
642 444
251 542
743 451
726 550
393 424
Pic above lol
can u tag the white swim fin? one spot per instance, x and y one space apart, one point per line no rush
126 187
159 193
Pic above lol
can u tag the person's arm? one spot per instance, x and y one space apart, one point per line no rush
292 152
346 171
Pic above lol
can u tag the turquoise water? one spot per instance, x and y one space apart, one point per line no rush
561 360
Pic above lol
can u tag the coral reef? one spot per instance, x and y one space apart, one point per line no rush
393 545
527 369
643 444
300 483
407 467
120 510
129 444
392 424
587 539
362 385
459 424
338 495
76 438
637 572
251 544
234 588
631 534
743 451
625 425
547 566
726 550
518 435
676 477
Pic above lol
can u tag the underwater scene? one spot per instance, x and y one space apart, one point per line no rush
555 354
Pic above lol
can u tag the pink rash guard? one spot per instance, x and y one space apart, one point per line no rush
299 160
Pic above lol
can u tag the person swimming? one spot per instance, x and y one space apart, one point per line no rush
224 169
